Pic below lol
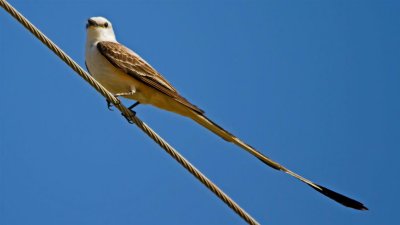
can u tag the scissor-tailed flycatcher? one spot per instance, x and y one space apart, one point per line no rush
124 73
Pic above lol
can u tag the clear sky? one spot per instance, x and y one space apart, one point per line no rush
312 84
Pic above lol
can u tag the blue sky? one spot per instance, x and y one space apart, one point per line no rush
312 84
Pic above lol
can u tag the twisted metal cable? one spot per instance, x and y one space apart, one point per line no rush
128 113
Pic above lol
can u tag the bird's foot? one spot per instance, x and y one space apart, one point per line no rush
109 105
128 118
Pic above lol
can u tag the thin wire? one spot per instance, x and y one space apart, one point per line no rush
117 103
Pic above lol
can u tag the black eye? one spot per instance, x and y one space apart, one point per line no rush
106 25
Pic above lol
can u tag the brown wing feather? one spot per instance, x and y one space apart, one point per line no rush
131 63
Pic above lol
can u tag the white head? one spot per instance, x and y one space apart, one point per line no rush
99 29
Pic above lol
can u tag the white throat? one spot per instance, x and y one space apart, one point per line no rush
96 34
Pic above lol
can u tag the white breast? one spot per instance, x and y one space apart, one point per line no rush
104 72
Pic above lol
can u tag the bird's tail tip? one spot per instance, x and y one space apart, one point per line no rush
346 201
207 123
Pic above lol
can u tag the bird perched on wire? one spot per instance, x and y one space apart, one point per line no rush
124 73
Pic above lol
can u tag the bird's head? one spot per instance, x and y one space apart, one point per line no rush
99 29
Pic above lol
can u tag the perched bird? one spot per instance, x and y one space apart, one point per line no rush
124 73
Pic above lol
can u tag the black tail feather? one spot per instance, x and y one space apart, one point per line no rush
346 201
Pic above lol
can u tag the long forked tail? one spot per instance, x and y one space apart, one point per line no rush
215 128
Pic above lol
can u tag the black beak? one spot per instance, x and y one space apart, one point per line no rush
91 23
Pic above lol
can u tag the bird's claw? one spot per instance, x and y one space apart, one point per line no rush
128 117
109 105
